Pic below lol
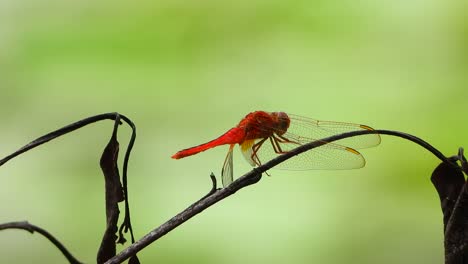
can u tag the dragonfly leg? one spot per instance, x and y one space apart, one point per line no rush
254 156
282 139
255 148
276 146
277 139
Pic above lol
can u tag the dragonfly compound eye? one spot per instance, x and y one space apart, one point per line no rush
283 121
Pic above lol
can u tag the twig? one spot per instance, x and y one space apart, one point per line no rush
253 177
196 208
57 133
32 228
127 224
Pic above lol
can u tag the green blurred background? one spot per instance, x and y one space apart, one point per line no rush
186 71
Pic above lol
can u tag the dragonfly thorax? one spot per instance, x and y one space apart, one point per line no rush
260 124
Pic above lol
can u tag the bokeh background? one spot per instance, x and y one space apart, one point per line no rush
185 72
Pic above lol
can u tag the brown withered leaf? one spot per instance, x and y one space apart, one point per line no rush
114 195
450 184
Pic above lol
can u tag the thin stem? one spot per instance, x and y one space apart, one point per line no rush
57 133
127 225
194 209
32 228
418 141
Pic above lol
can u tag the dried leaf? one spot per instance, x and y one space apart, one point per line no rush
448 181
114 195
453 193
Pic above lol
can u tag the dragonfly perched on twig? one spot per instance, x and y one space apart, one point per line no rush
263 135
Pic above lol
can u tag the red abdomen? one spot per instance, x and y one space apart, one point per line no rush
233 136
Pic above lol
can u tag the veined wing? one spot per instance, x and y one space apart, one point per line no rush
228 170
326 157
304 129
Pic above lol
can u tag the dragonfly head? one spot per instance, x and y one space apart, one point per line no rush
282 122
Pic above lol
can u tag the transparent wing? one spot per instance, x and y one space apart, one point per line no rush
327 157
306 129
227 171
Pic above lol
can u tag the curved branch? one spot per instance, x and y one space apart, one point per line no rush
250 178
32 228
270 164
127 225
57 133
253 177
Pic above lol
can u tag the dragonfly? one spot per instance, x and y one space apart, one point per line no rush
263 135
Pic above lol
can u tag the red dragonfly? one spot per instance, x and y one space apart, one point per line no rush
264 135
